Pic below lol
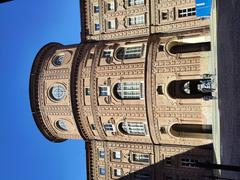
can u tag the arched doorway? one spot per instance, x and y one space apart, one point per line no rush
190 89
190 47
191 130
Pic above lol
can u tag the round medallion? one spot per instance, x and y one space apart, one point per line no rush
58 92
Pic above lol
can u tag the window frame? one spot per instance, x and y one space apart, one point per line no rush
97 26
112 24
129 90
62 125
109 127
108 52
118 157
111 6
101 154
87 91
102 171
135 2
116 171
137 20
186 12
96 9
188 162
135 51
142 159
53 90
56 58
134 128
102 92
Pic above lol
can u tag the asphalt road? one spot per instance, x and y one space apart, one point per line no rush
228 30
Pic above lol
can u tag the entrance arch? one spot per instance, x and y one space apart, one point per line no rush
190 89
191 130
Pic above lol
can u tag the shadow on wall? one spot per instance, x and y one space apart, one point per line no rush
179 167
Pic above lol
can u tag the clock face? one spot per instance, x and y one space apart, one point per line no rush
58 92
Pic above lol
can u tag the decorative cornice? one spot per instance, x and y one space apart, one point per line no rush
93 85
77 91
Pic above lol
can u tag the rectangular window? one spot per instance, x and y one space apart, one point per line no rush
93 126
185 12
141 176
135 2
164 15
107 53
133 52
104 91
111 24
102 171
141 158
96 9
87 91
111 6
168 161
136 20
117 172
101 154
97 27
134 128
109 127
187 162
116 155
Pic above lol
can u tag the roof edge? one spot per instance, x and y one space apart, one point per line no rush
33 92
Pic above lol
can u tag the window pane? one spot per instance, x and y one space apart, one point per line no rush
117 172
58 60
102 171
141 157
97 27
186 162
96 9
134 20
135 2
62 125
129 90
117 155
103 91
112 24
111 6
87 91
101 154
58 92
133 128
187 12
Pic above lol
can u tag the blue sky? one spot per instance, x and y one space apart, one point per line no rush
25 26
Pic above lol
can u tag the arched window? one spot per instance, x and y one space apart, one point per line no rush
191 130
62 125
133 128
58 92
129 52
190 89
58 60
128 90
190 47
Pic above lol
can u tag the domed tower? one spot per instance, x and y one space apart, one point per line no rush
50 92
145 90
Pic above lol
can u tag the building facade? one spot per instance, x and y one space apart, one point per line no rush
138 89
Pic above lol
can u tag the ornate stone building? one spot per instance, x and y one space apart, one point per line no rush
137 89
